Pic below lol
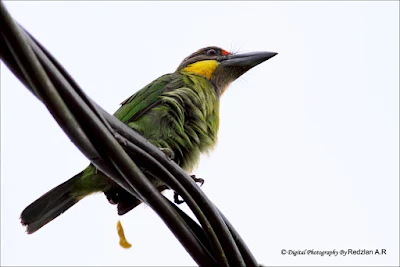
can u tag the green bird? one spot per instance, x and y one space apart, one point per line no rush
178 112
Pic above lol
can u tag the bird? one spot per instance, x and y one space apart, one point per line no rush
177 112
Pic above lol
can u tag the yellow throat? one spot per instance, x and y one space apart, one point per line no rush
204 68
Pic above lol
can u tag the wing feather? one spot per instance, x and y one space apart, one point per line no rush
144 100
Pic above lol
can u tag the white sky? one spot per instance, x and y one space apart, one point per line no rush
308 153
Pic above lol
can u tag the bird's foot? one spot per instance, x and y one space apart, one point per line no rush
177 199
197 180
168 152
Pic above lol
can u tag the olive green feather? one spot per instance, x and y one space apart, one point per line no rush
177 112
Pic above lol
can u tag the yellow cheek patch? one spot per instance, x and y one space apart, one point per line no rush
204 68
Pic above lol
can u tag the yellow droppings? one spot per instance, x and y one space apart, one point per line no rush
122 240
204 68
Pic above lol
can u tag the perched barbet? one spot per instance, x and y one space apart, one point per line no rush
178 112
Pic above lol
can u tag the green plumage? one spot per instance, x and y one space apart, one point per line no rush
177 112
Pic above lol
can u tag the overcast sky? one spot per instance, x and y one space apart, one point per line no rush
308 152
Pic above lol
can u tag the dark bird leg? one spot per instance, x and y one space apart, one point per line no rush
179 201
197 180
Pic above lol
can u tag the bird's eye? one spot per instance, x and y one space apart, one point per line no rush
211 52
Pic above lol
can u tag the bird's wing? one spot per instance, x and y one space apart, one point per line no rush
144 100
135 107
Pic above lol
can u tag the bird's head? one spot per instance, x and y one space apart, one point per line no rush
220 66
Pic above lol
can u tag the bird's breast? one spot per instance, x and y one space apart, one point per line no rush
185 120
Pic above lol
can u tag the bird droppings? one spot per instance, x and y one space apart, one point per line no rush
122 239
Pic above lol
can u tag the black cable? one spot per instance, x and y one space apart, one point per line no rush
46 91
140 141
142 156
112 145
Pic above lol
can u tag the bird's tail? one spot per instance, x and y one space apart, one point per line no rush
50 205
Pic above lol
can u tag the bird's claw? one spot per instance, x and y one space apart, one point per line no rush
177 199
197 180
168 152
